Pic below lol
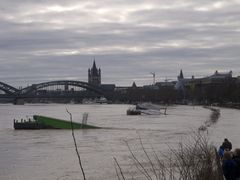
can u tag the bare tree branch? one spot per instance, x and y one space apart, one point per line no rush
119 169
76 147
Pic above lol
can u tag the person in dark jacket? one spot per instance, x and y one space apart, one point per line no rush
236 159
229 166
221 152
227 145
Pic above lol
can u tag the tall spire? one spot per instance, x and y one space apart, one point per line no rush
94 64
181 75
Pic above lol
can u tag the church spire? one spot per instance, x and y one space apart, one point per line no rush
180 75
94 64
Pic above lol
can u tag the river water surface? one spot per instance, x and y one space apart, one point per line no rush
50 154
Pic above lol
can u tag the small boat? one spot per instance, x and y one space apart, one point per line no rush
44 122
149 109
102 100
150 112
147 106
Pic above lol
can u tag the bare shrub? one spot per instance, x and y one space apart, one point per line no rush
194 159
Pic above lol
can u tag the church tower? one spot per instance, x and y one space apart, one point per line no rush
94 75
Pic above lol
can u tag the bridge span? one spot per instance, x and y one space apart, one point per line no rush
10 90
85 85
32 91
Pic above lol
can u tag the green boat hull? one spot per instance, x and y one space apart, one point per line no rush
53 123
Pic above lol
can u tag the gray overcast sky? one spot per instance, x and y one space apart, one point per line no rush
48 40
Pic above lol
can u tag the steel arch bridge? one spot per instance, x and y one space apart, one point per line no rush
8 89
85 85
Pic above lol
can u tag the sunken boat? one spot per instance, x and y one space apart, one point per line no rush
44 122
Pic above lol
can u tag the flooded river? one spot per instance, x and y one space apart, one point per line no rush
50 154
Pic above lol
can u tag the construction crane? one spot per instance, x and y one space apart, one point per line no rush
153 73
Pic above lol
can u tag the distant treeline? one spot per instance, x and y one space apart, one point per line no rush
227 94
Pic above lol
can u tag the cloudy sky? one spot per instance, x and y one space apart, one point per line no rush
48 40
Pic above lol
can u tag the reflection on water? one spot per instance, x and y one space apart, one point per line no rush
50 154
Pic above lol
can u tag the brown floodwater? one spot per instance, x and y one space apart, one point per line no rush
50 154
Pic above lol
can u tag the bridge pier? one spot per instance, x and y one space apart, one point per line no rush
18 101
